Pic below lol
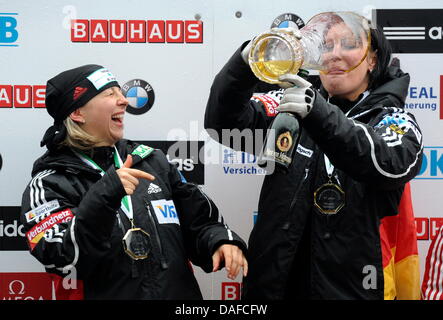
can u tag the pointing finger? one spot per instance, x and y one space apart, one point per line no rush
128 162
140 174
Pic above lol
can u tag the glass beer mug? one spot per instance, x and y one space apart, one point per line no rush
315 47
280 51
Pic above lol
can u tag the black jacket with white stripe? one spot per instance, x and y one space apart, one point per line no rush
69 212
294 249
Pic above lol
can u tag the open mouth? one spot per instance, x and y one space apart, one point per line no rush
118 118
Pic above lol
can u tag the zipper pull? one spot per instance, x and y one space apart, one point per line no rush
163 262
306 173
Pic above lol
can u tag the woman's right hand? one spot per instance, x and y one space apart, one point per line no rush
129 177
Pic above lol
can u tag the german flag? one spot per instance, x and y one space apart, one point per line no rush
398 238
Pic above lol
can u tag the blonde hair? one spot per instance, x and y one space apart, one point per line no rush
77 137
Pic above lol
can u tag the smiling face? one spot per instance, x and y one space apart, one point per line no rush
102 117
343 52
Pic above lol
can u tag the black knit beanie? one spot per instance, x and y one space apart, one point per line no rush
69 91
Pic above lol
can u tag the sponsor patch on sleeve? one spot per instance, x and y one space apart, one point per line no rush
38 231
270 101
41 210
165 211
143 151
395 126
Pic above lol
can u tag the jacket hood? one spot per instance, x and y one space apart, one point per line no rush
64 158
396 86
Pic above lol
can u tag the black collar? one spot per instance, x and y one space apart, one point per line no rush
344 104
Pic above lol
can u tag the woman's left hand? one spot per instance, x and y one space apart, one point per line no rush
298 98
234 260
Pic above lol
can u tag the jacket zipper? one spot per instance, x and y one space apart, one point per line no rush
154 222
294 200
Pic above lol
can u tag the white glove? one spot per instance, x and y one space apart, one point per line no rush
299 98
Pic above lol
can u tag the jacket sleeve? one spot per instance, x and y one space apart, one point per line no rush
233 105
65 232
203 228
387 154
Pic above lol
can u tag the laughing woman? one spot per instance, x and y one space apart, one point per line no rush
96 203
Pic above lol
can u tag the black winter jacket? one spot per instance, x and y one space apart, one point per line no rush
69 212
376 149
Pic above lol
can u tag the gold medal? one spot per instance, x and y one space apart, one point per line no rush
137 243
329 198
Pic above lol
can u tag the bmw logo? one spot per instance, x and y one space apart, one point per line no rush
140 95
286 20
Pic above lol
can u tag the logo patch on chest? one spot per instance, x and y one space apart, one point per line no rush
165 211
153 188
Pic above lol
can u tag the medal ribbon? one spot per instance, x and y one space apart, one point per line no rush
330 170
126 204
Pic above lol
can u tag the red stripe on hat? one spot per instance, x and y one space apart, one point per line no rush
78 92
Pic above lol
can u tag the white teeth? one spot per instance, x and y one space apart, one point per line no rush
119 116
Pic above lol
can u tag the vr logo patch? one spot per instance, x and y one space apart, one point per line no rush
165 211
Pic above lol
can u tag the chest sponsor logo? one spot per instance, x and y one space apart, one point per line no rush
153 188
165 211
304 151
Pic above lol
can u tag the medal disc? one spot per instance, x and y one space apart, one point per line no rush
329 198
137 243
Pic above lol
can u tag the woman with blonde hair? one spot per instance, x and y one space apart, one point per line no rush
115 211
